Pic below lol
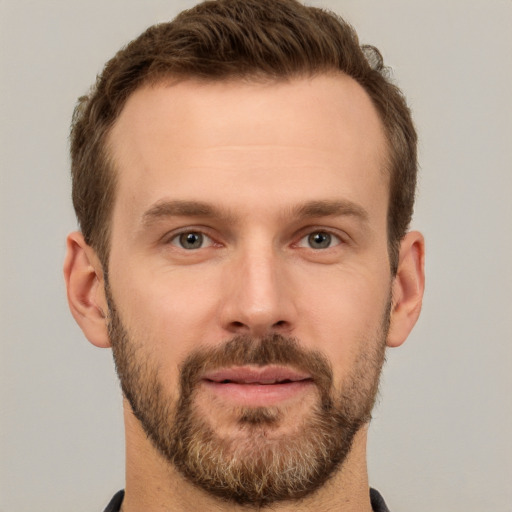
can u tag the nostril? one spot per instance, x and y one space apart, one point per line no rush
258 329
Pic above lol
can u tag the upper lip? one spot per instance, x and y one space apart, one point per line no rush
256 375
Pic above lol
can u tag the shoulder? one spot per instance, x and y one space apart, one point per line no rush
378 503
115 502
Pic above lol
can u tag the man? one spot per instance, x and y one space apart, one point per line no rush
244 179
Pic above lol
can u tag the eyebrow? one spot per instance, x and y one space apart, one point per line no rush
178 208
328 208
309 209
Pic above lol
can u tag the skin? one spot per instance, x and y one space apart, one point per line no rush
259 157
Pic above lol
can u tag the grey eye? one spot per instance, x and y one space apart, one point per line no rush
191 240
319 240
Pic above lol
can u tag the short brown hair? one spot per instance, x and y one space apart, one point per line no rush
230 39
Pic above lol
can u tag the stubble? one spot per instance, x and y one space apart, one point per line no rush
259 465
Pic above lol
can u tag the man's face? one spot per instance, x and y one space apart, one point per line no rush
249 279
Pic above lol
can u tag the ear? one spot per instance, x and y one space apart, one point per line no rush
408 288
83 274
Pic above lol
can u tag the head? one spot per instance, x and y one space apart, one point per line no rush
236 40
244 178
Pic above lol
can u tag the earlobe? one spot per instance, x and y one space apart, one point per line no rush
408 288
83 274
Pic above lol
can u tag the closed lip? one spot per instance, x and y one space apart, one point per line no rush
256 375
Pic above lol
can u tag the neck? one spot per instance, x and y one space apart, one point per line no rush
154 485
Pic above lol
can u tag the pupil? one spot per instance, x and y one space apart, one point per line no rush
320 240
191 240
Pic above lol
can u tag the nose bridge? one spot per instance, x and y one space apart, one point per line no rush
258 300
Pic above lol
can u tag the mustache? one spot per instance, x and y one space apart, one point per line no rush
273 349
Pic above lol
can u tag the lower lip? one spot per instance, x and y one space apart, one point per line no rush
258 395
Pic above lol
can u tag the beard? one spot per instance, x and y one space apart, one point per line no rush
257 465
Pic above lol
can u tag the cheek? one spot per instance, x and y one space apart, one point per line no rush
168 311
345 315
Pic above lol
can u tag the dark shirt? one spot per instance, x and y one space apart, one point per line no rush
378 504
115 502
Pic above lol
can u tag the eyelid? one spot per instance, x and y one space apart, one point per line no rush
206 241
341 238
172 237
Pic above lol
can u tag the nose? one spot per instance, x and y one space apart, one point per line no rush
258 296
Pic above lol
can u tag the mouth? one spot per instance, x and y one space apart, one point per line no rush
255 375
257 386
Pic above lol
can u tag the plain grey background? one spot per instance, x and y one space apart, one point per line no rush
441 437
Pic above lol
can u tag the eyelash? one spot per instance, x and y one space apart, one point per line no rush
176 239
333 239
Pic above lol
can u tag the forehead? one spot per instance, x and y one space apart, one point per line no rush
233 140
